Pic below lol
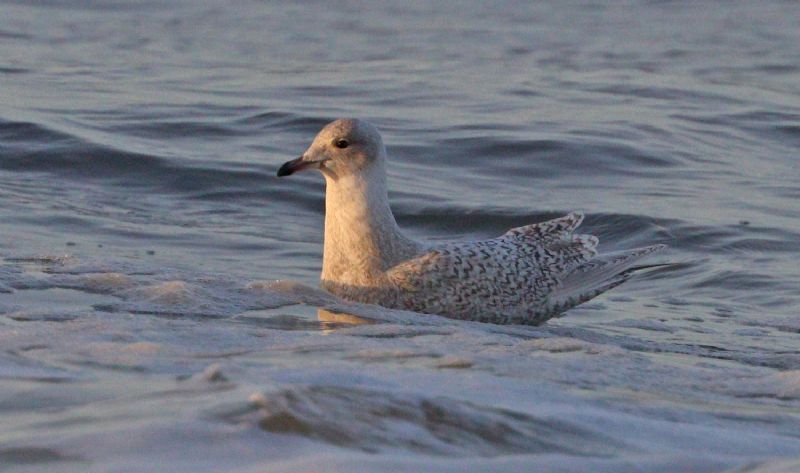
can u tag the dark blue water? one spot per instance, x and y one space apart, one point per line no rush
139 211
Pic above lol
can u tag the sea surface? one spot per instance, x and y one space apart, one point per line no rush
157 301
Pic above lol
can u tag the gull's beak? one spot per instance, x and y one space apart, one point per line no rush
295 165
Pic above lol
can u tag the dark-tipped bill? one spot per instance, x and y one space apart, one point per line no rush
291 167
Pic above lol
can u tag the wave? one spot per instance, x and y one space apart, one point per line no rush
373 421
31 147
552 157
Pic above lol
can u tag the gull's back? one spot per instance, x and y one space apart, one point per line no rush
526 276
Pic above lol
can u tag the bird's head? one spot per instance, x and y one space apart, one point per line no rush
346 146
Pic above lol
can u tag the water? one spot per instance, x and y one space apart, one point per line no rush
142 229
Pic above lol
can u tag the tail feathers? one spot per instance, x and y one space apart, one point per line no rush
598 276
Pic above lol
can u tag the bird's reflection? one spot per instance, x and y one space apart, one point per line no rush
332 320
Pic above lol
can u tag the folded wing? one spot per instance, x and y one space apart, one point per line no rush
526 276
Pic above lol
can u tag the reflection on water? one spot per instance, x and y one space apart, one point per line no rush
300 317
328 316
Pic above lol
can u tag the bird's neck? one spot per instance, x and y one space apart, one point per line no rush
362 239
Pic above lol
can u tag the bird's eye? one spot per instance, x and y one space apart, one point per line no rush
342 144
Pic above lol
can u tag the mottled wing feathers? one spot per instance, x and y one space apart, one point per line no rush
526 276
551 230
574 251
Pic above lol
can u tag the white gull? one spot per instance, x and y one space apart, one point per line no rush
525 276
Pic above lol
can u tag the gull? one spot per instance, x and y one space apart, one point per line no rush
526 276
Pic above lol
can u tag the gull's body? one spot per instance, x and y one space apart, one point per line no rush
525 276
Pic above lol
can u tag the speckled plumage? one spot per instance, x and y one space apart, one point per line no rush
525 276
